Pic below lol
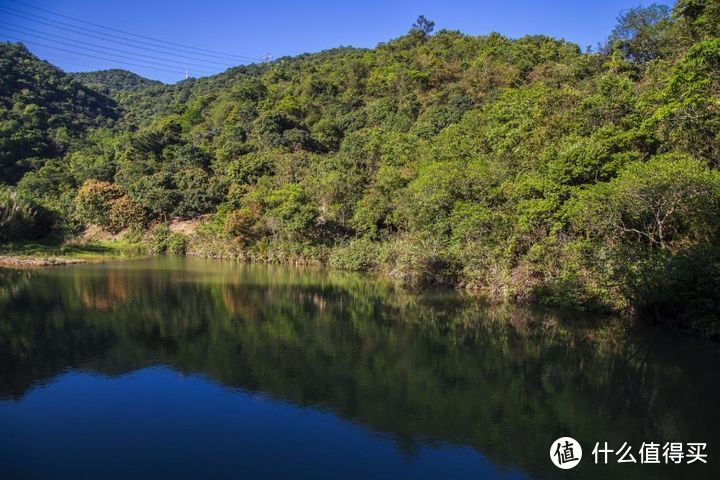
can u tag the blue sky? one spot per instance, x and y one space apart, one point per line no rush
253 29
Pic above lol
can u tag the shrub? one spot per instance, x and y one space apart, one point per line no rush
94 201
124 213
176 244
361 254
105 204
163 240
158 238
415 261
249 168
22 219
242 224
198 192
653 232
291 214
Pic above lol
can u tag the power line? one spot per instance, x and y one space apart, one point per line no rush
61 59
100 37
183 47
65 61
114 54
26 5
24 30
72 43
95 56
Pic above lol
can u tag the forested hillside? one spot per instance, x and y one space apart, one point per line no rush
525 168
42 111
112 82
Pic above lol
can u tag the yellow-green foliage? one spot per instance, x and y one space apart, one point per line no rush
105 204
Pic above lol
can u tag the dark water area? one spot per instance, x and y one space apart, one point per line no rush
190 368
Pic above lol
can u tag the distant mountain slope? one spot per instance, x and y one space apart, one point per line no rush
113 81
42 111
142 105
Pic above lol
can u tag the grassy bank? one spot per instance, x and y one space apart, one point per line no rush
56 252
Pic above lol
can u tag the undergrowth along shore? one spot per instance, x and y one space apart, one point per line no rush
414 266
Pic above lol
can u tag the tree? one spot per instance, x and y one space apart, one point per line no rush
94 201
641 33
702 17
106 205
690 116
290 213
668 203
423 25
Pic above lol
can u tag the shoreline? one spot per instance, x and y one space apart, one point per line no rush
38 261
13 261
38 255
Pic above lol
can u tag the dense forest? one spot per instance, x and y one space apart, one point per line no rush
112 82
522 168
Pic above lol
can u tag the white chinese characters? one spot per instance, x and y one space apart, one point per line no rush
651 452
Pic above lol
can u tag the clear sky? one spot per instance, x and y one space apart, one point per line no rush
256 28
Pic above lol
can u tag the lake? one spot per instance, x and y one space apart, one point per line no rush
191 368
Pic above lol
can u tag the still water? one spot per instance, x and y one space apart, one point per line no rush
189 368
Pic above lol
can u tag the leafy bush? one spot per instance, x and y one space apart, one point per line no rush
159 238
177 243
666 203
248 169
125 213
418 262
290 213
105 204
93 201
21 219
163 240
360 254
243 224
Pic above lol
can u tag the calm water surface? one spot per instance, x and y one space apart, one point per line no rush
190 368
